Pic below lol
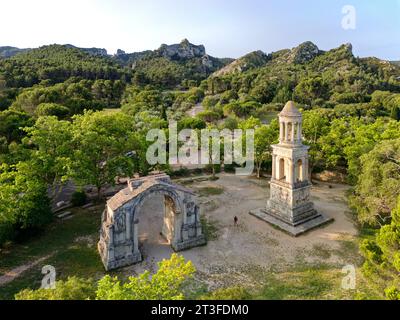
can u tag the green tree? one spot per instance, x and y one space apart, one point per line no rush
311 89
382 255
24 203
73 288
314 128
166 284
378 185
395 113
51 155
12 124
350 138
209 116
101 141
52 109
191 123
361 139
264 137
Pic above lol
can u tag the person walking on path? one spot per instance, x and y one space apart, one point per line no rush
235 220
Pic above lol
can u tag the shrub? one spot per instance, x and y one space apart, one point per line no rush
210 101
52 109
209 116
78 198
72 289
7 231
191 123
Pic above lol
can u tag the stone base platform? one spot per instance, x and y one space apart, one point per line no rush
294 230
190 243
132 258
123 262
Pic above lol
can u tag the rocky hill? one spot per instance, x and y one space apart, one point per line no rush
304 53
7 51
180 52
57 63
170 65
183 50
101 52
305 74
301 54
251 60
186 64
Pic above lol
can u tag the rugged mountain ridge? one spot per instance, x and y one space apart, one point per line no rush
251 60
301 54
180 52
185 64
101 52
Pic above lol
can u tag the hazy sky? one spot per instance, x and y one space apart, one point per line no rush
226 27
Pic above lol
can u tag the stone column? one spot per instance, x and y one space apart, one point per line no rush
291 172
286 131
305 169
292 132
287 171
281 131
273 173
299 132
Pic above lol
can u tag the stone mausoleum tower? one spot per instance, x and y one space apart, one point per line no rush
289 206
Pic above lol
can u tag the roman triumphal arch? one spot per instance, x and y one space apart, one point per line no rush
119 234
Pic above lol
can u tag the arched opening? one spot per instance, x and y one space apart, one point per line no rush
169 215
299 171
281 169
155 226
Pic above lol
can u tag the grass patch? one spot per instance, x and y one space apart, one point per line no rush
210 229
306 281
299 285
68 256
210 191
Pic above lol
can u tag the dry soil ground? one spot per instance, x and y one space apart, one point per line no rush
235 253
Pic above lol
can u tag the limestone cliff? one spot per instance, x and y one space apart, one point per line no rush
303 53
249 61
183 50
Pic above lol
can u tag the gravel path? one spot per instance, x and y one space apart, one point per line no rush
16 272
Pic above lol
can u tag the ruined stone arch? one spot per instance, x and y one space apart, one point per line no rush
119 236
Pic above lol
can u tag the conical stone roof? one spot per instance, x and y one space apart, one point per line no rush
290 110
